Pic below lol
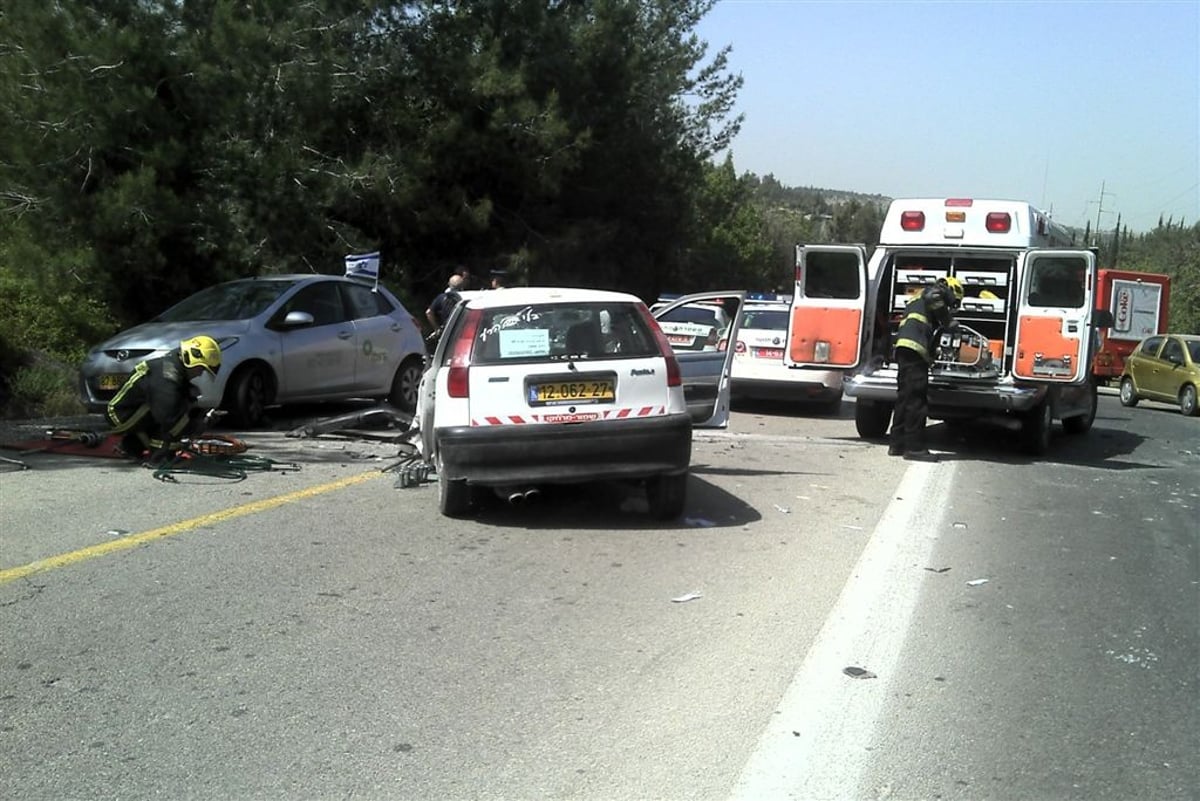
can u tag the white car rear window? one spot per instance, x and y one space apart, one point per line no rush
766 319
555 332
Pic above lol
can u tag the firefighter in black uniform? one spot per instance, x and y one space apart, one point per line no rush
923 317
153 408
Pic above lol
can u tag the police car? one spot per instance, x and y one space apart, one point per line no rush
759 371
538 386
692 326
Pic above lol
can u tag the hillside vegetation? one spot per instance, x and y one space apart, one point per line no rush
148 149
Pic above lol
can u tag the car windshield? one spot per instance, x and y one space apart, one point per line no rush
237 300
561 331
766 319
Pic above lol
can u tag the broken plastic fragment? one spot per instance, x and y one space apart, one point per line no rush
691 596
976 582
698 522
855 672
783 509
937 569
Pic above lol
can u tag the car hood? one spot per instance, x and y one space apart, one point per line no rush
161 336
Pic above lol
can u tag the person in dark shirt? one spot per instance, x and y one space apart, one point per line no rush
441 306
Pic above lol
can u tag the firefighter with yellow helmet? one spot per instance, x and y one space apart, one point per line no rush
153 407
923 317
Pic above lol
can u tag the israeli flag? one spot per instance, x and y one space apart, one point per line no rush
363 265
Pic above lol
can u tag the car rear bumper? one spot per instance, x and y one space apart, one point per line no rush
594 451
783 390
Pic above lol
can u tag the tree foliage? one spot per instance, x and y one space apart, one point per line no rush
184 143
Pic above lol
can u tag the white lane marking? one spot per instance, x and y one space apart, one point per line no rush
817 744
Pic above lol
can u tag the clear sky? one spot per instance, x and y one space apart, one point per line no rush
1086 109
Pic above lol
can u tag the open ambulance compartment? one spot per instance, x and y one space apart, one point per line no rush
981 348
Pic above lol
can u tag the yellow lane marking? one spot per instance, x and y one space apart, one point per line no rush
134 540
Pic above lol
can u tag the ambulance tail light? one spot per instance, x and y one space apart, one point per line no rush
458 377
674 375
999 222
912 220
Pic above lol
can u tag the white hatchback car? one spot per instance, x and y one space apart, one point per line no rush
758 368
535 386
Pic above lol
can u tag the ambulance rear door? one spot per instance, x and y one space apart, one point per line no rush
827 326
1054 316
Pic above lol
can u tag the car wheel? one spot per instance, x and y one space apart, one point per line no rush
1187 401
1129 396
404 386
666 495
247 396
1083 423
871 418
1035 430
454 495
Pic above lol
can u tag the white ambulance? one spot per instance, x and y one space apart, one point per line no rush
1022 354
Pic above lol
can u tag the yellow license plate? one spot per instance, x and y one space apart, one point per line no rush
595 390
111 381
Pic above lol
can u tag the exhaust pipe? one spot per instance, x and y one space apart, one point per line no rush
517 496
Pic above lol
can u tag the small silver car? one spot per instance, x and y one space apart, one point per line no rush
284 339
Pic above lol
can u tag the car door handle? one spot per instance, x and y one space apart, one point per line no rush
344 335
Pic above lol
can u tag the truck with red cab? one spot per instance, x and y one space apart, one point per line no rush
1138 302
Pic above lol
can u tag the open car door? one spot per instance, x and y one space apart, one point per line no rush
699 327
1054 316
827 328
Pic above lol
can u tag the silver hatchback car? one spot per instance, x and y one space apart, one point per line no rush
284 339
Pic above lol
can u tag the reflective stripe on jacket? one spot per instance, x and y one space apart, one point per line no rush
155 399
916 332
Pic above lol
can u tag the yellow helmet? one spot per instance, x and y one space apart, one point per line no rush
201 351
956 287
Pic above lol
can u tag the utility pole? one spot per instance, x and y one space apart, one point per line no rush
1099 210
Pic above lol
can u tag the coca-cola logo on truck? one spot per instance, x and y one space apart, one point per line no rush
1123 304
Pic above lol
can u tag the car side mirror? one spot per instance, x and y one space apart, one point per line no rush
1102 318
297 319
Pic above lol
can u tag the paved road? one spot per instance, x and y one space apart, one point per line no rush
321 634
